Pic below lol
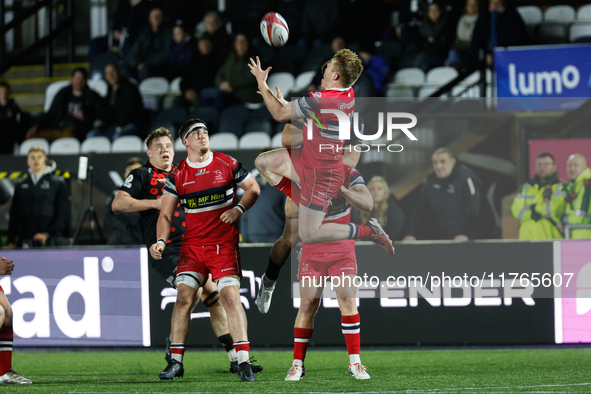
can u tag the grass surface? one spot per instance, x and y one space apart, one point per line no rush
413 371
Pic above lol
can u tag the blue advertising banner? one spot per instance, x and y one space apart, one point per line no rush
550 77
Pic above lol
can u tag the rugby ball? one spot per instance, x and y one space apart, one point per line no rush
274 29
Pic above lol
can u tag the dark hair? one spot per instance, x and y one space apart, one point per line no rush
81 70
159 132
133 160
7 86
546 154
187 126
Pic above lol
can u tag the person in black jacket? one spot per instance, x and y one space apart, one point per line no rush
499 26
73 111
434 39
40 206
449 203
10 120
199 74
123 108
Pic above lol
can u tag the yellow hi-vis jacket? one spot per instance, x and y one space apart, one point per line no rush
578 204
544 202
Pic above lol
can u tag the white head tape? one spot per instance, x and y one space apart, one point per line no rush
195 127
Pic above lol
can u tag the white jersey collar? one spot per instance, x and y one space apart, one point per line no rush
201 165
339 89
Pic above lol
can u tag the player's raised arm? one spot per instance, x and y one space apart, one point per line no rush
279 108
169 204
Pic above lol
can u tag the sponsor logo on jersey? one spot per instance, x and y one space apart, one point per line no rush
218 176
202 171
206 201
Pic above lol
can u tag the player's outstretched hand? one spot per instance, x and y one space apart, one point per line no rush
257 70
156 251
231 215
6 266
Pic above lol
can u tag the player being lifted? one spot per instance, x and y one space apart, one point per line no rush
142 192
205 184
331 259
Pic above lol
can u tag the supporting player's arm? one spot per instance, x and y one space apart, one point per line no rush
169 204
292 136
124 203
6 266
358 196
251 194
279 108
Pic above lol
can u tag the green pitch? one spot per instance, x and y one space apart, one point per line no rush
416 371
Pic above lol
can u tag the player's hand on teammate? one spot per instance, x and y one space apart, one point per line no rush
231 215
258 72
156 251
158 203
6 266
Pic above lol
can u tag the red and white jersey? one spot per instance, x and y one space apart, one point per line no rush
339 211
325 127
206 190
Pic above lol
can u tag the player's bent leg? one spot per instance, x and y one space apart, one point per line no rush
274 165
188 284
229 287
7 374
312 231
351 325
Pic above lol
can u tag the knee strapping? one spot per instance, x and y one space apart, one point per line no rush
228 281
189 279
211 299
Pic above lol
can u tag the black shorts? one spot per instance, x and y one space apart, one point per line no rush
167 266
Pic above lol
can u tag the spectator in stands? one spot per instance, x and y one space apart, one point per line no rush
386 209
130 18
40 207
578 196
449 202
181 52
10 120
73 111
123 108
434 39
532 206
149 54
264 222
499 26
199 74
375 66
123 228
410 15
460 56
214 29
320 21
234 80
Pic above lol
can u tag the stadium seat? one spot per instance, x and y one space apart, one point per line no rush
395 90
232 120
128 143
428 90
584 13
152 89
28 144
254 140
263 125
65 146
276 141
530 14
96 145
175 86
475 77
580 32
285 82
303 80
178 145
223 141
99 85
412 76
441 75
51 91
552 33
559 13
